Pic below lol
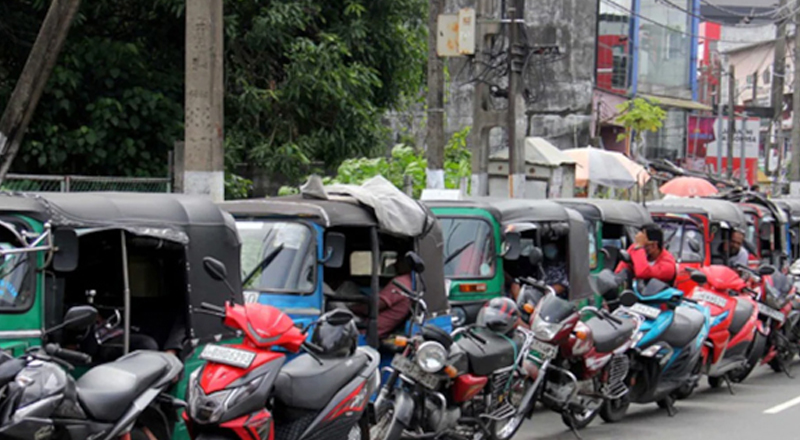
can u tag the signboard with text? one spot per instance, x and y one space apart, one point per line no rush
747 135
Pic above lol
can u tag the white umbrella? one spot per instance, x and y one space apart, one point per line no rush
607 168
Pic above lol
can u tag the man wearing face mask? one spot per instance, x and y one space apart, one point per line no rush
555 268
649 258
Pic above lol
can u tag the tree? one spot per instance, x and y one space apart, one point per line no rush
639 115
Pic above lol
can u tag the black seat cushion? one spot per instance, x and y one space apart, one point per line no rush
685 326
743 311
305 384
609 336
498 352
107 390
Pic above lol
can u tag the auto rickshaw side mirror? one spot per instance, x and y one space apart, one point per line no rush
65 258
334 250
627 298
215 269
414 261
694 246
535 256
766 270
79 318
698 277
765 231
512 245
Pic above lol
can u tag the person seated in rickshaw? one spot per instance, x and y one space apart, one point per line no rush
738 255
649 258
393 306
555 267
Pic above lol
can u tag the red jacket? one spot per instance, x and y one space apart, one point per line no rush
663 268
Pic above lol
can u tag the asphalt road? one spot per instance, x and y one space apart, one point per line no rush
765 406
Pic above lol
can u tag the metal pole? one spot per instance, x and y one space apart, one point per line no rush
731 117
742 155
126 337
516 154
374 300
794 167
718 136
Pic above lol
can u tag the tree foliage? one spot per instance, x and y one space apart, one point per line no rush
405 161
307 82
639 115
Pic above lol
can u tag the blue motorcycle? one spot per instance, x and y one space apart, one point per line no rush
666 360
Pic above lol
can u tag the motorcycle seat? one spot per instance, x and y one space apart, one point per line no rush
685 326
106 391
742 312
609 336
498 352
305 384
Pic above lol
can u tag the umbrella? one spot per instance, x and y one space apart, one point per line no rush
607 168
688 187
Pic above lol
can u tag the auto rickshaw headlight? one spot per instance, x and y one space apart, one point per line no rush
431 356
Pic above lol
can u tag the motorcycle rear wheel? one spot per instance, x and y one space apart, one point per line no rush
756 352
578 421
506 429
614 410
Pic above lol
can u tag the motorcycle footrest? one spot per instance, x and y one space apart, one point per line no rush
505 411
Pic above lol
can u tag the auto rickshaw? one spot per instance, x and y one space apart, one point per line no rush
136 258
612 225
338 247
696 231
792 209
768 229
488 242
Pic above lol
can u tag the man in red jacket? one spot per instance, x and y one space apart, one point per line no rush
649 258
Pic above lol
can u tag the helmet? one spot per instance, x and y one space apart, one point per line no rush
499 315
335 334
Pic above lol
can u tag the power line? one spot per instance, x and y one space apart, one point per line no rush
649 20
772 12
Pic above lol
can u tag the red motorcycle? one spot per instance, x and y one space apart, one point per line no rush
249 391
734 321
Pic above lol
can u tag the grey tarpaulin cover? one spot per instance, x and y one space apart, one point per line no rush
396 212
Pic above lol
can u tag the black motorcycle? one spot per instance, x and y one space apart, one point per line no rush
125 399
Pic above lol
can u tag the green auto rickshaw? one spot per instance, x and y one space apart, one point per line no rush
487 244
136 258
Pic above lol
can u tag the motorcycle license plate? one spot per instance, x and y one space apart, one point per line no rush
229 356
645 310
710 298
411 370
770 312
545 350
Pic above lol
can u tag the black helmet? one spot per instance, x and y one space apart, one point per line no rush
335 334
499 315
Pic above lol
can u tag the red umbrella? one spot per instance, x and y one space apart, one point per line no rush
688 187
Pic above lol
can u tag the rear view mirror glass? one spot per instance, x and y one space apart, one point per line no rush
80 318
65 258
334 250
215 268
512 246
415 262
535 256
698 277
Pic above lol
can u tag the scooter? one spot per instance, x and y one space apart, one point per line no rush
111 401
666 360
734 321
249 391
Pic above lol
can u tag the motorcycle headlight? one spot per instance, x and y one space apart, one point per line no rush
431 356
543 330
458 316
207 408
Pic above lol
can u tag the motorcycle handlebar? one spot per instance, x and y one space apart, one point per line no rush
71 356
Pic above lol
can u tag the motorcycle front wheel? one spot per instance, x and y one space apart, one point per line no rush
756 352
614 410
580 420
387 426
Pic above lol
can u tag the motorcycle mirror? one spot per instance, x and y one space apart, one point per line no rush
624 256
698 277
512 247
628 298
77 318
766 270
694 246
215 269
415 262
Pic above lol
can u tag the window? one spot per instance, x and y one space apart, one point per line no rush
750 79
361 264
469 249
278 256
684 240
16 281
619 73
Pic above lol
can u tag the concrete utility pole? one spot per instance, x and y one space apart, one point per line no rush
28 89
794 169
516 145
778 75
719 121
483 118
203 156
731 117
436 142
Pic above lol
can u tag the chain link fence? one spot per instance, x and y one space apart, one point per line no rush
53 183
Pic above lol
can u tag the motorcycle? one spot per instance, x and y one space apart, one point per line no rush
249 391
122 400
666 359
464 385
773 345
734 321
581 365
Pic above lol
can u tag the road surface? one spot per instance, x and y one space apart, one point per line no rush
765 406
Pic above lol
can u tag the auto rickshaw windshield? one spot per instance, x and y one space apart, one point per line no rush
683 239
277 256
469 249
16 281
